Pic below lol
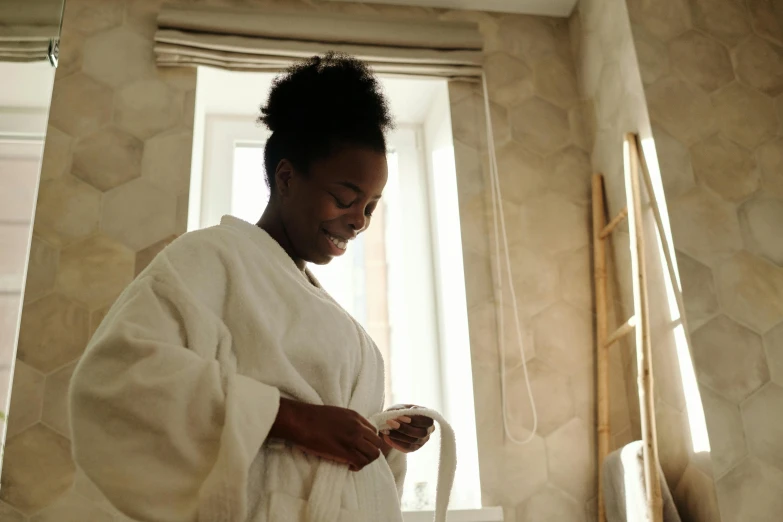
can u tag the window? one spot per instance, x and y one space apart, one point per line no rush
402 279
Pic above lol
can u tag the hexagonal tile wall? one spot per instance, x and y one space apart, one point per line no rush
26 399
95 271
664 20
729 358
37 469
725 20
760 65
727 168
701 303
727 436
80 105
552 394
68 209
683 110
138 214
763 428
108 158
540 126
745 115
147 107
760 220
751 491
773 344
701 60
53 332
750 289
571 462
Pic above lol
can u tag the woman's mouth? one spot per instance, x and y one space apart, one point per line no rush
340 243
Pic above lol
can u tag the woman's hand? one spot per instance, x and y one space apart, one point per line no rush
407 434
337 434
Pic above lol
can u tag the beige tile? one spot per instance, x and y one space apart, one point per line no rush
9 514
726 20
555 81
704 226
764 428
569 349
536 280
68 209
770 161
468 120
37 469
729 359
73 508
695 496
514 472
683 110
80 105
750 289
751 491
58 153
55 400
91 16
583 124
652 54
760 219
551 224
41 270
727 168
188 109
474 225
483 326
182 79
767 19
521 173
698 289
53 333
71 52
470 168
583 395
13 255
101 63
745 115
183 203
10 307
567 172
539 126
107 158
501 129
479 286
551 393
610 90
550 504
26 399
96 318
760 65
701 60
166 161
138 214
145 257
671 427
773 344
576 278
19 181
591 61
87 489
509 80
529 38
571 461
146 108
663 20
95 271
674 161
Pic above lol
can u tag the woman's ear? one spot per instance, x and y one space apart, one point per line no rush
283 175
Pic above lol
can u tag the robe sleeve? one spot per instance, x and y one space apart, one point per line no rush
164 429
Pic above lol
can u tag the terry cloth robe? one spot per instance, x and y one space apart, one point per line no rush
172 403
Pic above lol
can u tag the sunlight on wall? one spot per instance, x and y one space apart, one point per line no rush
698 425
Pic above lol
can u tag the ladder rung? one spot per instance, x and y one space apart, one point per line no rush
614 222
621 332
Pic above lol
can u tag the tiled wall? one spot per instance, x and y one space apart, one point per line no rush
610 81
713 78
115 181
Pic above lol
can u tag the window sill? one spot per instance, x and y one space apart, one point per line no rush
491 514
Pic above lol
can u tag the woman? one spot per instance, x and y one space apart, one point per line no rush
225 384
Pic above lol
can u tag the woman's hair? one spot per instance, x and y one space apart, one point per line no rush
320 104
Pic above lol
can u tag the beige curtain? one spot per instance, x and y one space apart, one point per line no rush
27 27
254 40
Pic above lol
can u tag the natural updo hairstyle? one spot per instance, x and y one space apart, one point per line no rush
319 105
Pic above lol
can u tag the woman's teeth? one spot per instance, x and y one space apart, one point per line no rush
339 243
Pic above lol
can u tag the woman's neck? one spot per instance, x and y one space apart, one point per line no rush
271 223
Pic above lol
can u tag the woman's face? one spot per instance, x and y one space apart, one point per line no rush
327 207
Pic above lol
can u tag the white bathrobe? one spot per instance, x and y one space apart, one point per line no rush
172 403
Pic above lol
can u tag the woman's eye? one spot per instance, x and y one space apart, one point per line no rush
339 203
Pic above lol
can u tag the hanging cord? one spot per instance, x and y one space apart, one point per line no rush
497 210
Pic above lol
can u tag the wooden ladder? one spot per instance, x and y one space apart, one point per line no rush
639 323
